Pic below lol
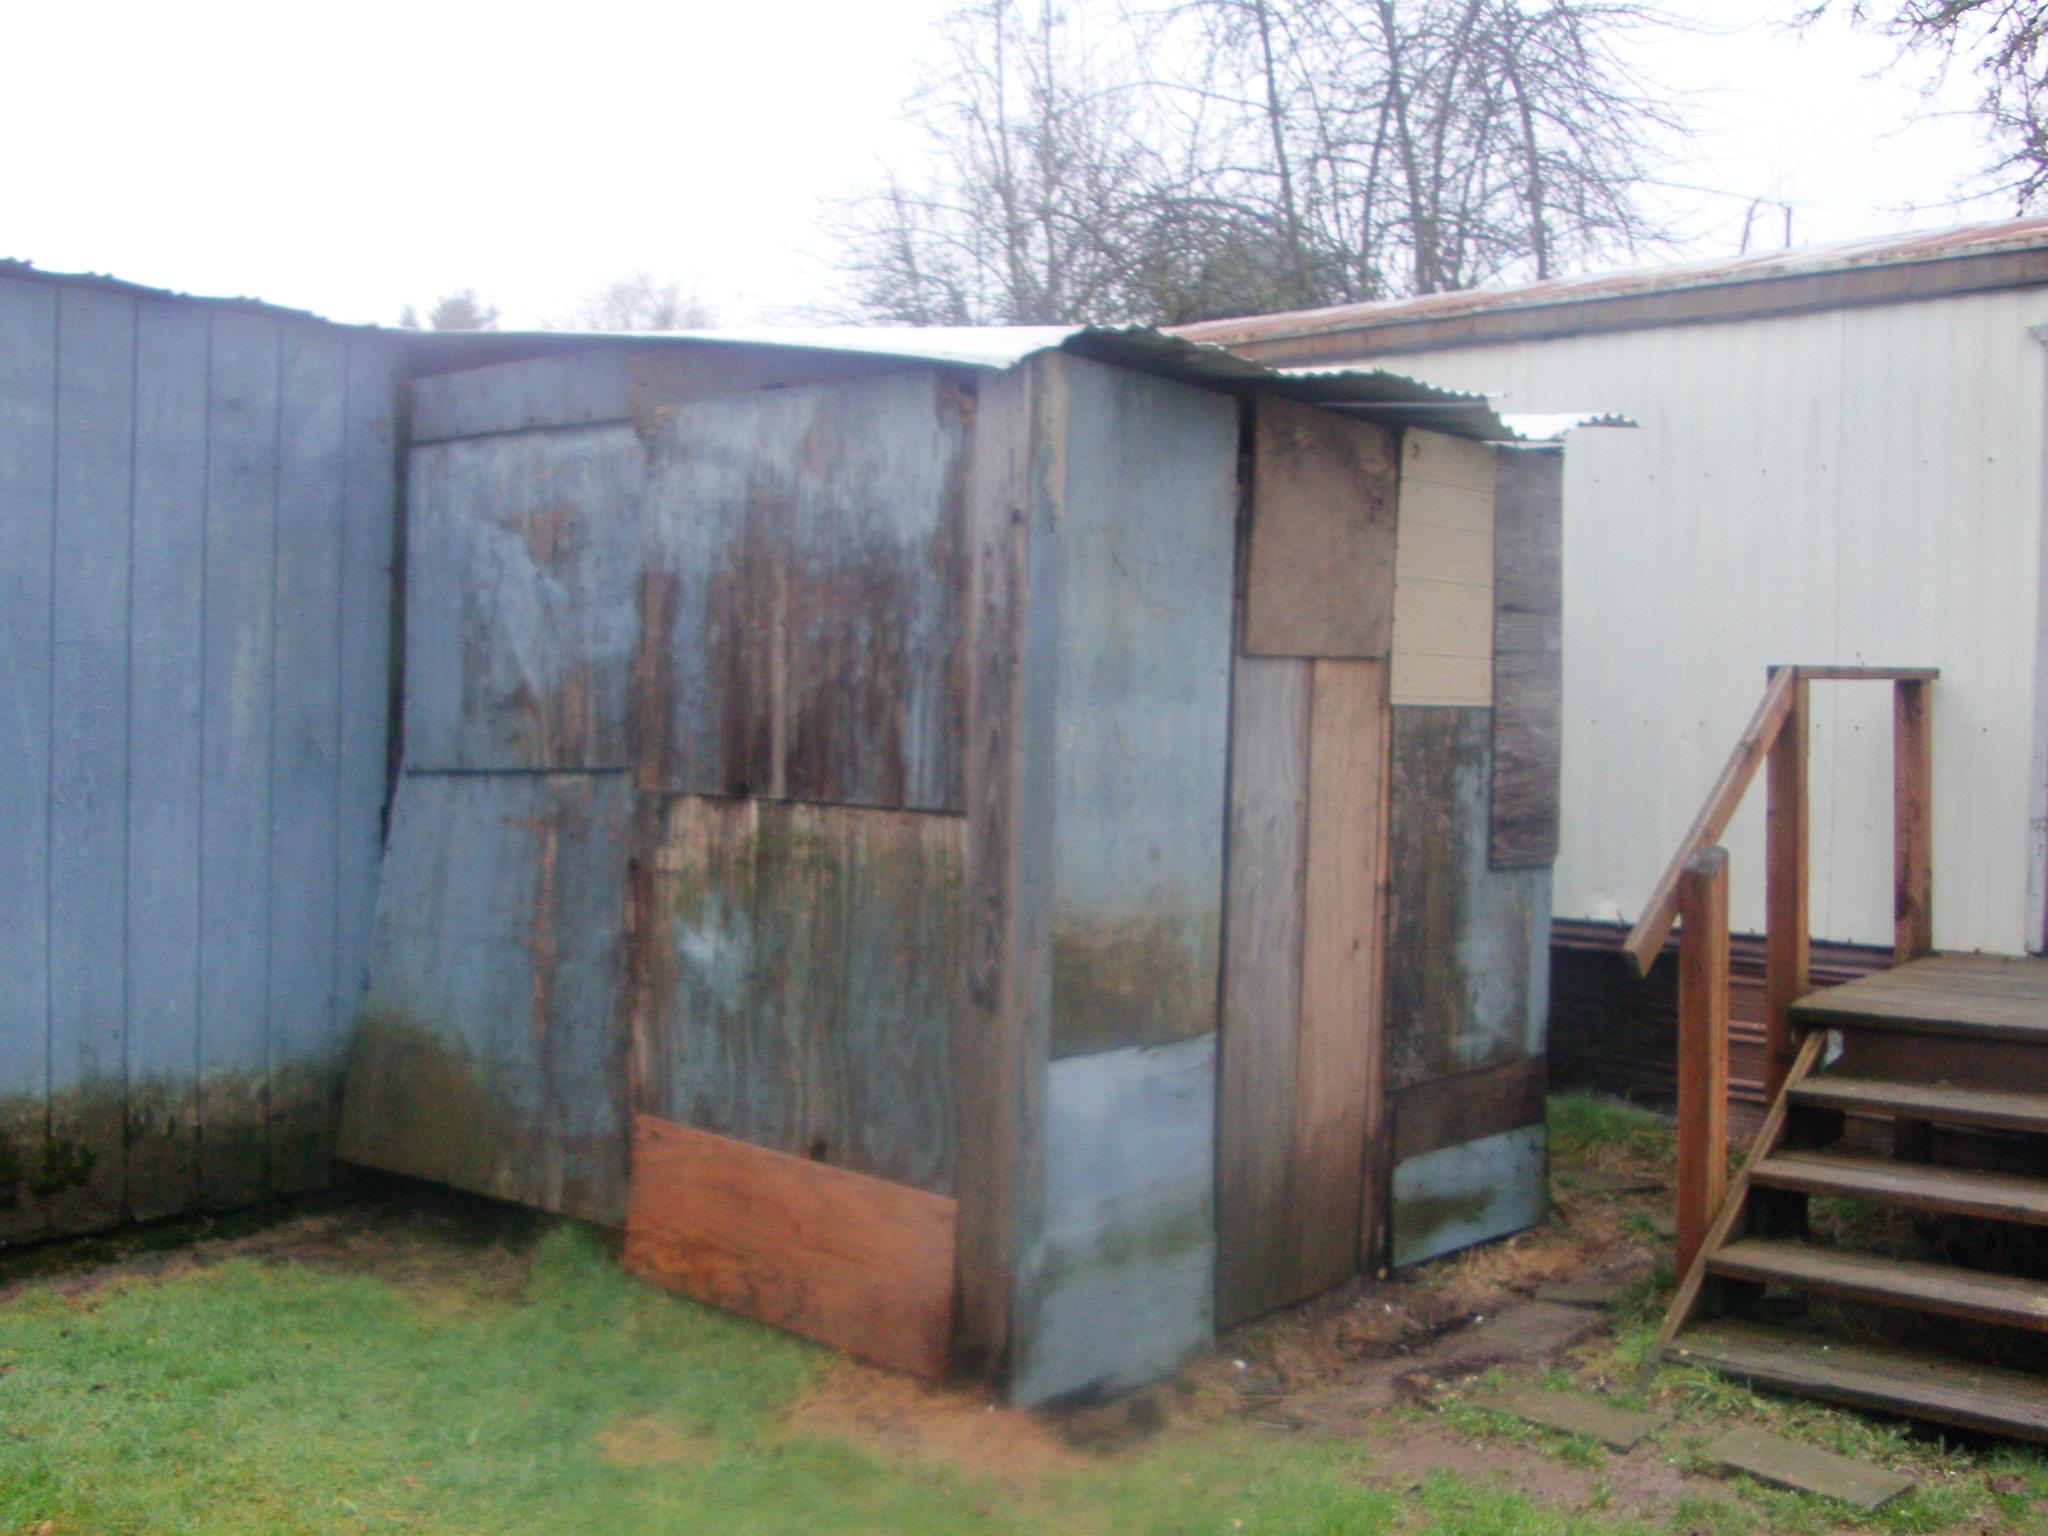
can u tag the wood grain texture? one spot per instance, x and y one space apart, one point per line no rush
2010 1300
1450 1111
1443 573
1788 923
1528 657
1702 1181
1258 1056
801 966
1912 819
1321 557
802 631
1988 997
856 1262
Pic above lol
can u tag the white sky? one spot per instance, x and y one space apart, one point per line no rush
349 159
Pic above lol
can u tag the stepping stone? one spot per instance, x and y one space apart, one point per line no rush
1618 1429
1596 1294
1804 1468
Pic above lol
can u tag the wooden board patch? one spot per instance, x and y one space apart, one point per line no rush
1804 1468
855 1262
1619 1429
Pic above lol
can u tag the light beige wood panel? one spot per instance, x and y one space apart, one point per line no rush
1443 573
1321 562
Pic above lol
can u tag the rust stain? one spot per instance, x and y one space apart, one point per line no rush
653 703
552 534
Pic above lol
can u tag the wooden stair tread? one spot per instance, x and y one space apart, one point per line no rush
1991 1298
1998 997
1960 1191
1873 1377
1927 1101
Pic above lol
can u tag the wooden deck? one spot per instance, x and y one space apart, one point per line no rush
1998 997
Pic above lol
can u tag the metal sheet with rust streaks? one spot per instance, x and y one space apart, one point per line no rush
489 1053
522 568
802 610
801 974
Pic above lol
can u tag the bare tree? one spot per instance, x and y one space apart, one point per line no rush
1240 155
2002 43
461 310
640 302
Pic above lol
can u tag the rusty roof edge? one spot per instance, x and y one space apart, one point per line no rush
16 267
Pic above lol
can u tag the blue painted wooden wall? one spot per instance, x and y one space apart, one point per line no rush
196 504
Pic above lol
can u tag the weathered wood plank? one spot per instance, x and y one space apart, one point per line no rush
1957 1191
860 1263
1702 1182
305 832
1321 577
83 1171
1987 996
522 564
1788 924
1913 819
2010 1300
1145 587
1467 944
802 970
487 1054
803 628
1786 1463
1339 1060
1123 1286
1619 1429
1257 1069
164 790
237 698
28 452
1528 657
1450 1111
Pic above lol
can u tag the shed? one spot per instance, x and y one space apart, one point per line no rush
1841 459
1000 848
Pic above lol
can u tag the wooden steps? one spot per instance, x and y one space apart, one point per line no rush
1939 1102
1902 1382
1989 997
1940 1288
1918 1186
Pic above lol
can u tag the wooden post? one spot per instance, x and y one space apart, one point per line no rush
1912 819
1702 1048
1787 928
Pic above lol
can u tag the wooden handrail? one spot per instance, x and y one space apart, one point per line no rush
1702 1049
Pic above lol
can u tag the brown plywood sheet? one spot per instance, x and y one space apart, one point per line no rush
1528 658
1321 563
856 1262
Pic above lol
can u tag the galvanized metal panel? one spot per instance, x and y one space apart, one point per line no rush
581 388
522 556
1850 485
1471 1193
803 613
801 965
1145 584
28 451
305 747
1467 944
82 1169
489 1051
164 791
1120 1287
237 699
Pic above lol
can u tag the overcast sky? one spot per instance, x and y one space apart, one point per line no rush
351 159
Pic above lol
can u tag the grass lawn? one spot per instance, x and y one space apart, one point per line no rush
318 1373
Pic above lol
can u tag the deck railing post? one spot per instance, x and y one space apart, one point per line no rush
1787 928
1702 1048
1912 819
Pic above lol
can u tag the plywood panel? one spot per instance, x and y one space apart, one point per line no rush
489 1051
859 1263
1258 1055
523 555
802 618
1122 1288
802 975
83 1171
1141 737
1528 667
1321 559
163 734
1443 573
28 453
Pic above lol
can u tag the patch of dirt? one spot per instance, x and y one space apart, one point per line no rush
907 1420
1645 1483
645 1441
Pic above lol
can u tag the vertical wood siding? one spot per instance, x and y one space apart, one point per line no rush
195 548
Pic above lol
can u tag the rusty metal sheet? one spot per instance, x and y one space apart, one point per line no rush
801 980
522 559
802 614
488 1053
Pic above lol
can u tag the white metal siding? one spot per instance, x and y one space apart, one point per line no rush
1858 485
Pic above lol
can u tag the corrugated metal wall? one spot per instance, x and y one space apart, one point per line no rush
1860 485
196 506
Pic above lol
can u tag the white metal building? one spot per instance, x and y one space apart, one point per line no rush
1840 459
